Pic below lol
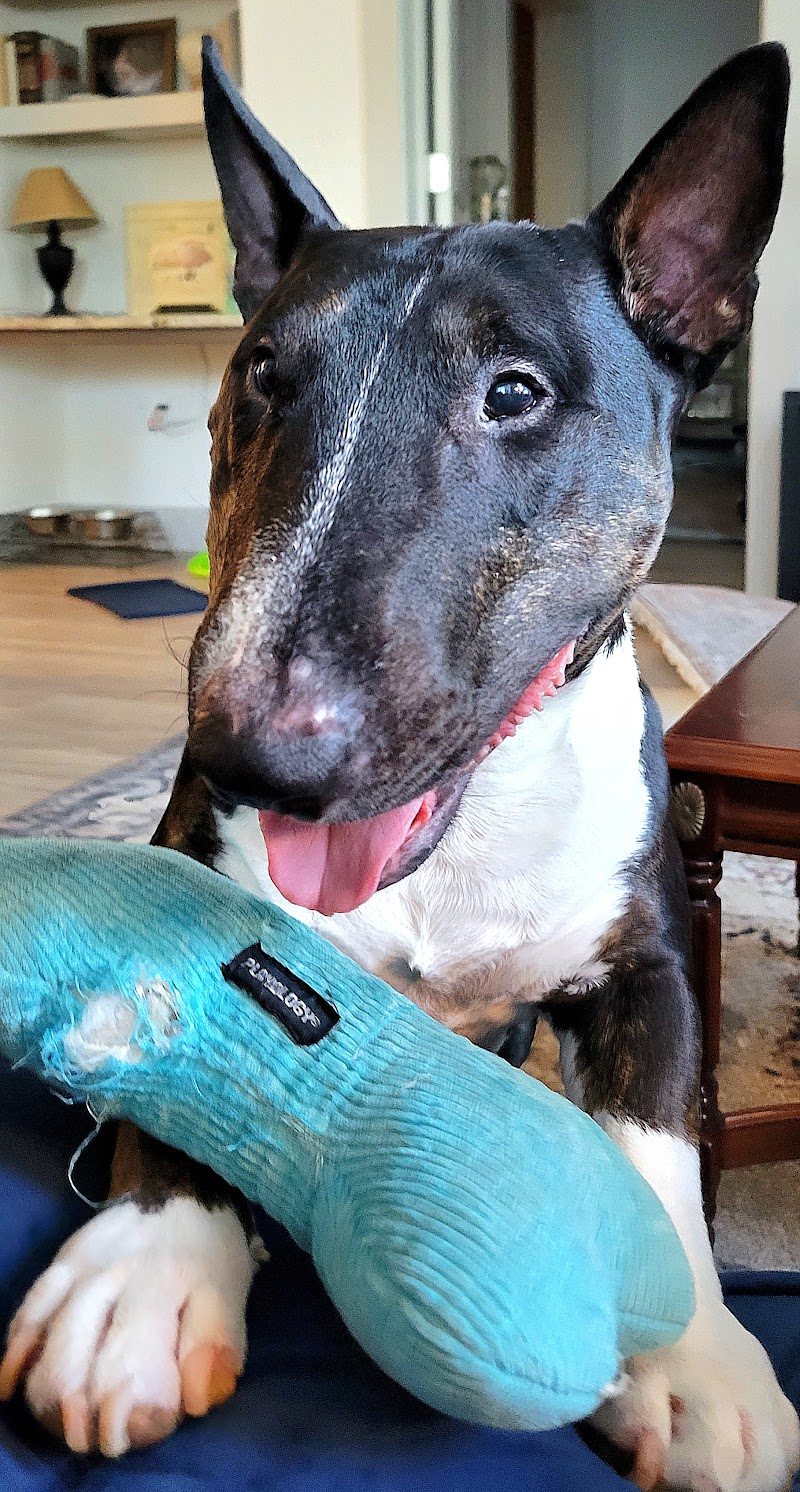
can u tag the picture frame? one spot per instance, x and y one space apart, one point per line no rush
178 258
132 59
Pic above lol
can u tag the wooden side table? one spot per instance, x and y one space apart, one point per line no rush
735 757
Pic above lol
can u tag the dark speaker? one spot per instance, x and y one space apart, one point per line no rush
789 529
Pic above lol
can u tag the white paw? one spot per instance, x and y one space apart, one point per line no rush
706 1415
138 1320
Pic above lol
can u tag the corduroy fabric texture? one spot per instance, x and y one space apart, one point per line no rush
483 1240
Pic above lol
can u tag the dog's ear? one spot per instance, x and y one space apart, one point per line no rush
686 225
268 201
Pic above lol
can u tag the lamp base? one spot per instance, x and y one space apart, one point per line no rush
59 308
56 260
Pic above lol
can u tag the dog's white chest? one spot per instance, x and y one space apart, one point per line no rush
518 898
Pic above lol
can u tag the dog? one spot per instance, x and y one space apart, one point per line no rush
440 468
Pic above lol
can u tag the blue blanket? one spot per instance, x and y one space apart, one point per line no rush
312 1413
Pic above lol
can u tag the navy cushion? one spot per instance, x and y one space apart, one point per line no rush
312 1413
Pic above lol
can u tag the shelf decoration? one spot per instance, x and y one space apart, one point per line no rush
177 257
36 69
132 60
49 200
227 37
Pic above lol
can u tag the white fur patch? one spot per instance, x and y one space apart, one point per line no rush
328 483
254 611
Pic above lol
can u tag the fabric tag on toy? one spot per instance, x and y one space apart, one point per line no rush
301 1011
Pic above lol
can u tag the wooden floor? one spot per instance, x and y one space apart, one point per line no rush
81 690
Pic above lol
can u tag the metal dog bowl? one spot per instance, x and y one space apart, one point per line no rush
106 526
49 523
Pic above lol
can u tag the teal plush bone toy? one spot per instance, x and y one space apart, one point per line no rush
483 1240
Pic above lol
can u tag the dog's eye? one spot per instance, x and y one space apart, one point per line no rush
513 394
262 371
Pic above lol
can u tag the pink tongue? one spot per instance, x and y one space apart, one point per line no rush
333 867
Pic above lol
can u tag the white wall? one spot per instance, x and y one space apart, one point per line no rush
646 56
302 77
607 75
75 407
383 125
325 79
775 342
561 95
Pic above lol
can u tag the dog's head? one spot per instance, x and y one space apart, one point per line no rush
441 463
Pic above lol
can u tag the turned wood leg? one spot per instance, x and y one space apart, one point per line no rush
703 872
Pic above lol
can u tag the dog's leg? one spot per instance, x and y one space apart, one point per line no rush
141 1316
706 1414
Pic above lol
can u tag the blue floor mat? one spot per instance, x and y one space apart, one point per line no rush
133 600
312 1413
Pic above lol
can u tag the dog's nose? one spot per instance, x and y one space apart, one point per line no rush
283 748
297 775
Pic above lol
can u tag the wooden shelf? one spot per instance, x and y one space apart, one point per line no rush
56 4
152 117
174 322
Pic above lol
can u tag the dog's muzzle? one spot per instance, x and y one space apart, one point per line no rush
296 758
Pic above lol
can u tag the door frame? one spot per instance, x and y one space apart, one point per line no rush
523 109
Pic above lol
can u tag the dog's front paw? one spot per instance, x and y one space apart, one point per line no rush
138 1320
706 1415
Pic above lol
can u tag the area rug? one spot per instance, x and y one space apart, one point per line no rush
123 803
758 1225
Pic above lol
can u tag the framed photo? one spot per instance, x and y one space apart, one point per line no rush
128 61
178 257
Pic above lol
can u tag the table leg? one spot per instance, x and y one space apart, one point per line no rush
797 892
703 873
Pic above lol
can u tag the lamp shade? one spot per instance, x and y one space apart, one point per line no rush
49 195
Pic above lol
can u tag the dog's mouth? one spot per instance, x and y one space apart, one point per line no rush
331 868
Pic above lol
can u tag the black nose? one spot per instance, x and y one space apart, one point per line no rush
276 737
293 774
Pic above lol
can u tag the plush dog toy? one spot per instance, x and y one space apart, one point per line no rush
483 1240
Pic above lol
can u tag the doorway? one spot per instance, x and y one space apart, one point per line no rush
590 82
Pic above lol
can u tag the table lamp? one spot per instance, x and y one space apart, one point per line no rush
49 200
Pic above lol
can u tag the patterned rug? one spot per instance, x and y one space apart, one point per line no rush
125 803
759 1218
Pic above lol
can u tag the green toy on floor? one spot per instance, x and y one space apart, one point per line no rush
199 565
483 1239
